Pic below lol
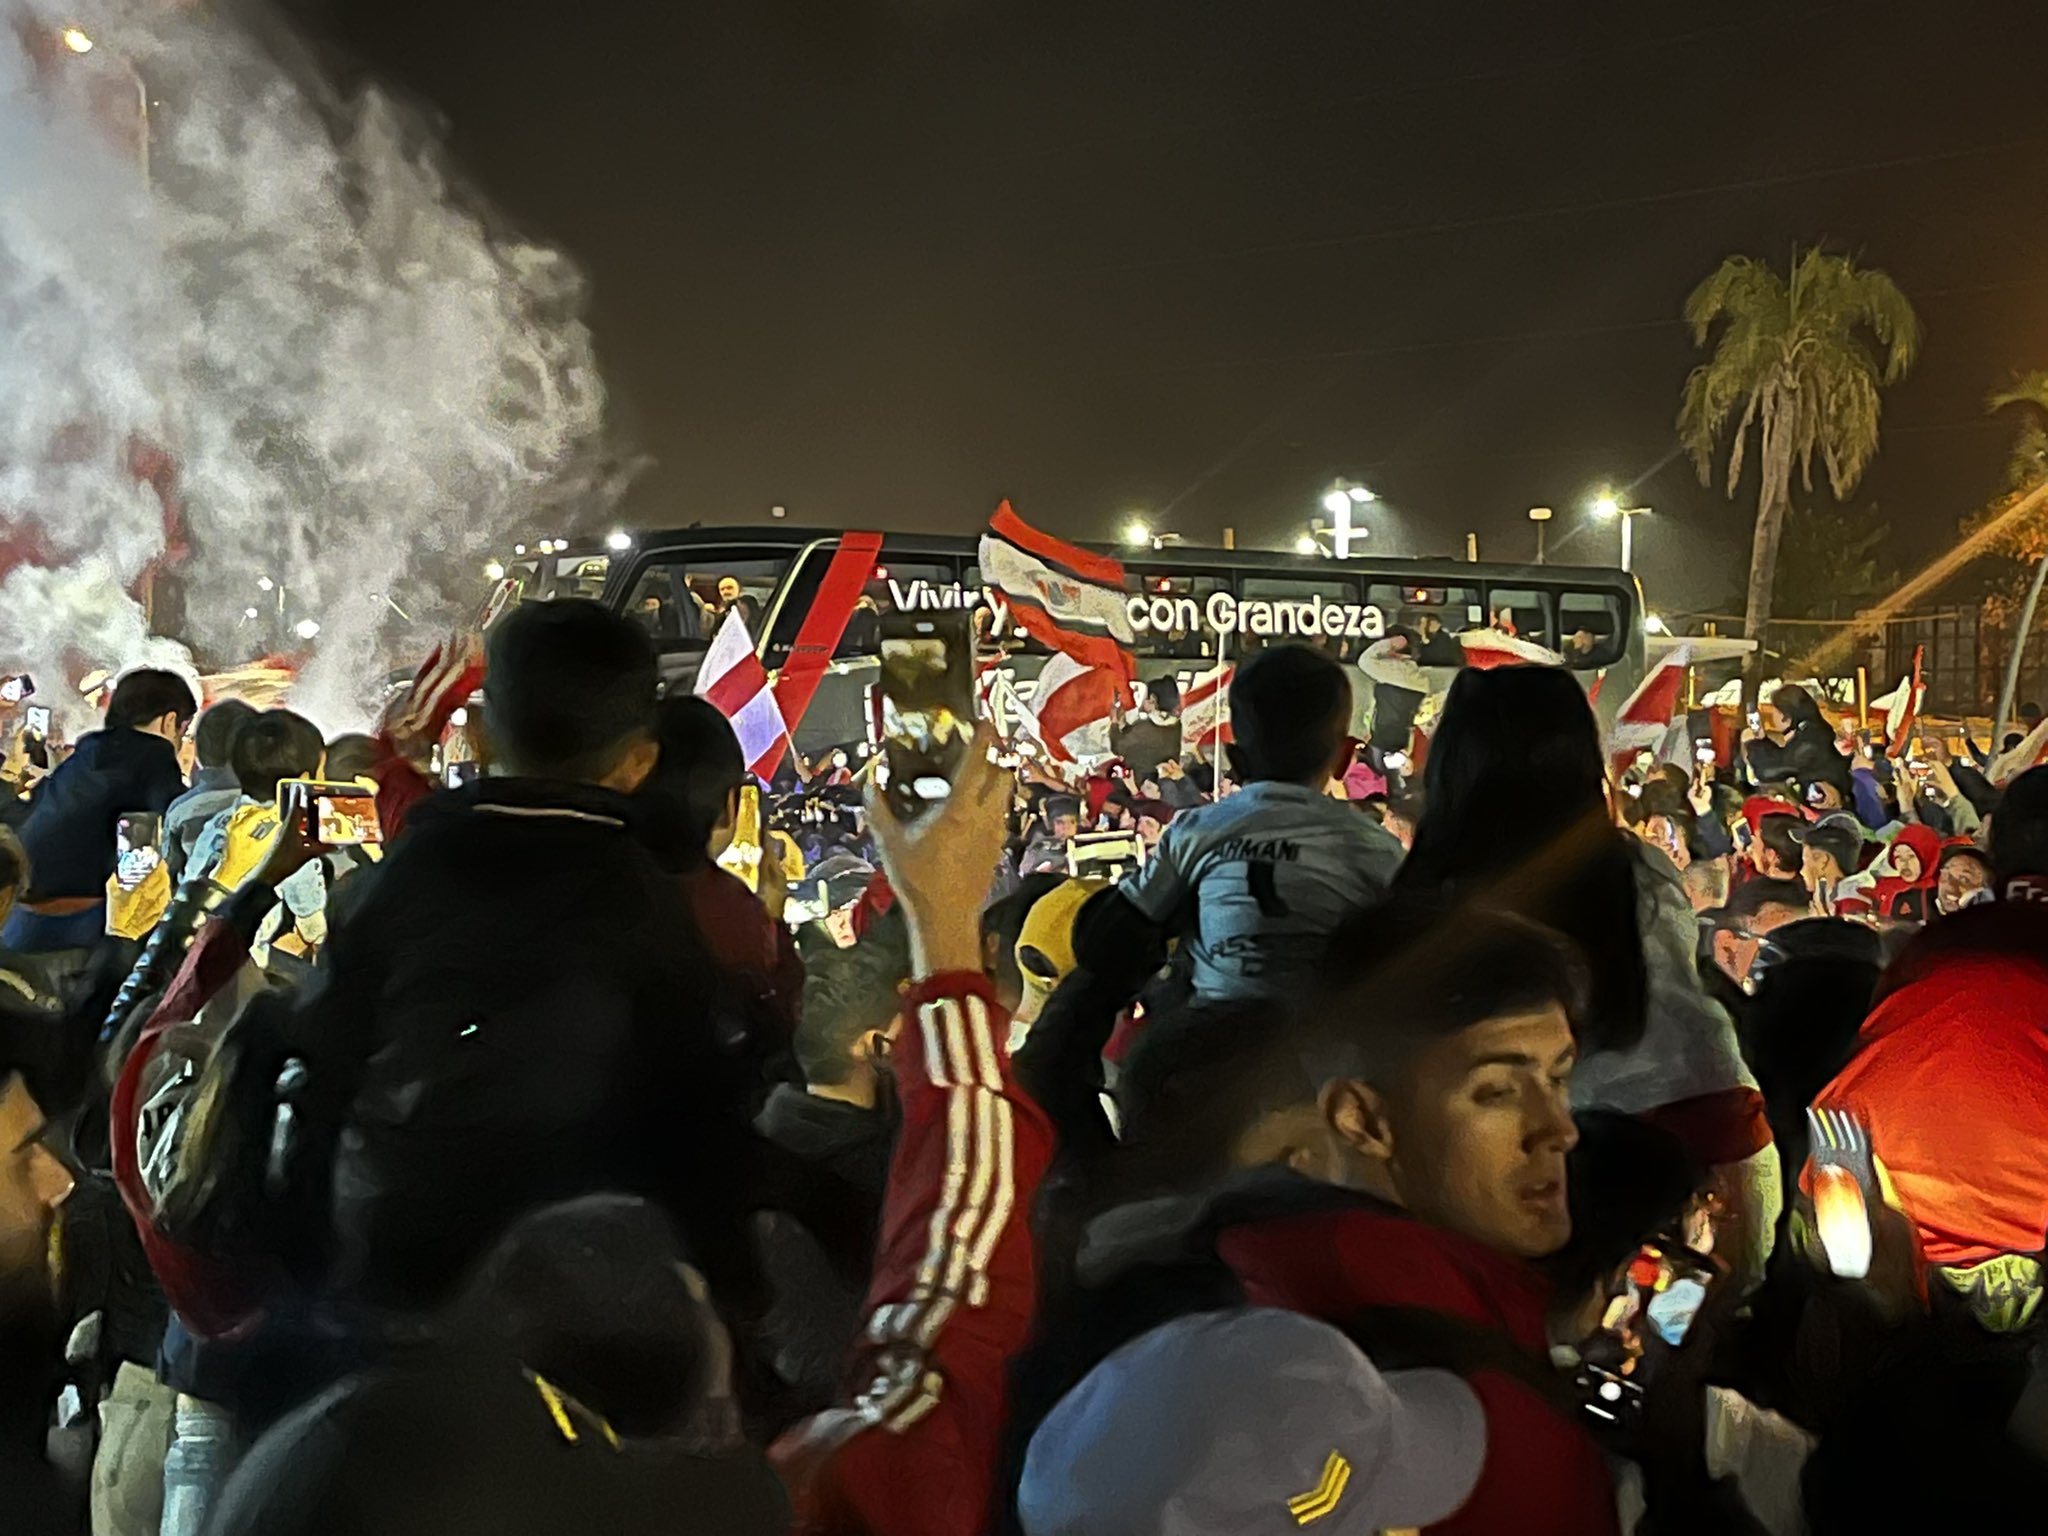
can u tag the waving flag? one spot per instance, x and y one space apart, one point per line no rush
1902 709
733 678
1071 708
1061 595
2010 765
1498 648
1643 723
1205 711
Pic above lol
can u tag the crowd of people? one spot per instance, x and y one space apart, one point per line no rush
1505 1146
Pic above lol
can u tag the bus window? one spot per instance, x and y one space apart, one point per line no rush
682 599
1435 615
581 576
1521 611
1286 594
1174 622
1590 628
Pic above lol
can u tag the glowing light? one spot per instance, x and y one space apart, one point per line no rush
1361 495
1607 506
494 571
1137 533
265 584
459 718
1655 625
248 613
1305 545
76 40
619 540
1336 503
307 629
518 549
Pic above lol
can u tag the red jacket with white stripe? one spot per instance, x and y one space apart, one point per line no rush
914 1451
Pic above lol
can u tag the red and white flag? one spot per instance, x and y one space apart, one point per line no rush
1063 596
1902 709
1071 708
1643 723
2010 765
1205 711
733 678
1498 648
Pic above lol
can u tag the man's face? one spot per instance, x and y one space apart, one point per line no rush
1735 948
1065 828
1816 866
33 1183
1773 718
1960 880
1150 831
728 590
1474 1139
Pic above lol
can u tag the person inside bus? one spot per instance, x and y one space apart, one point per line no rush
1438 646
731 599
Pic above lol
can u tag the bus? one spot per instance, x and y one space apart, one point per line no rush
1191 609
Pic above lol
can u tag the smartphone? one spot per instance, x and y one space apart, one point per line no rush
463 772
343 815
742 855
37 718
1756 720
1663 1289
927 664
138 848
15 689
1703 750
1397 762
1104 855
1844 1178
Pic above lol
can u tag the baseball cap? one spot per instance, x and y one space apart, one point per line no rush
1838 837
477 1445
1245 1420
1045 945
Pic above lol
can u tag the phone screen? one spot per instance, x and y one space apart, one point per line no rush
138 848
15 689
1661 1293
37 718
461 773
927 706
344 815
742 855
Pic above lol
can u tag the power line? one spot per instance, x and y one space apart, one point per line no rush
1573 210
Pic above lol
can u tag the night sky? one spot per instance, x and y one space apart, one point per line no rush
886 261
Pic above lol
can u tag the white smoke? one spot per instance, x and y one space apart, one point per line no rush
362 382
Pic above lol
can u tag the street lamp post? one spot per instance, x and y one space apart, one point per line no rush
1610 507
1540 516
1342 501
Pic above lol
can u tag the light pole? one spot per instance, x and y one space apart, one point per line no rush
1341 501
1609 507
1539 516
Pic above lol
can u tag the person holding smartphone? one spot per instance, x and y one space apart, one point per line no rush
130 765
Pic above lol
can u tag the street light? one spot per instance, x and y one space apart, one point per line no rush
1654 624
494 571
76 40
1607 507
620 540
1138 533
1539 516
1306 545
265 584
307 629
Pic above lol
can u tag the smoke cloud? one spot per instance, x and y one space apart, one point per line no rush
291 325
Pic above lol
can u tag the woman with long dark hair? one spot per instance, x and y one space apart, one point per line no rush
1516 818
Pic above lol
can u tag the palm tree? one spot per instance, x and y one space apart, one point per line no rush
1800 361
2029 468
